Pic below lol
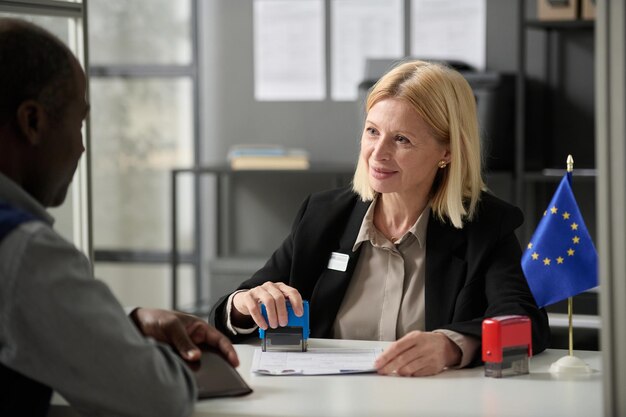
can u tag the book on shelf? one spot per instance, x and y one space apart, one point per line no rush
267 157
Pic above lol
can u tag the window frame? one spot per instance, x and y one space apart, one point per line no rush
136 71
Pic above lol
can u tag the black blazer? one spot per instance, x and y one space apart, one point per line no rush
471 273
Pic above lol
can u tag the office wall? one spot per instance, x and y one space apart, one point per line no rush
330 130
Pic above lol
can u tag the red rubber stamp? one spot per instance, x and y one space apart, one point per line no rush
507 345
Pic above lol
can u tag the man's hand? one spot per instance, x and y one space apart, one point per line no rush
418 354
182 331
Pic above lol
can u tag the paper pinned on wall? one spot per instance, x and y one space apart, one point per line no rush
450 29
355 38
315 361
289 57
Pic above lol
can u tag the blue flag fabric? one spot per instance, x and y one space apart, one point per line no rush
560 260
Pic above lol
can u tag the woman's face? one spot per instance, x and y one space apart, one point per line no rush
399 150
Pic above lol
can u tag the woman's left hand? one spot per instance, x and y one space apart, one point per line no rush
418 354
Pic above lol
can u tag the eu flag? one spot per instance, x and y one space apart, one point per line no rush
560 260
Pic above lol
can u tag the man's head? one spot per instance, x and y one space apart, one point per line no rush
42 106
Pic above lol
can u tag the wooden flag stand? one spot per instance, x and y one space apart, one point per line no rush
570 364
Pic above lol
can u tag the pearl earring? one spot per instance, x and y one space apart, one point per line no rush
442 164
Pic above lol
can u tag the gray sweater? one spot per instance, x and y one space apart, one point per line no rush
65 329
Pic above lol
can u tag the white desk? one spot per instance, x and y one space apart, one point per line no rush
463 392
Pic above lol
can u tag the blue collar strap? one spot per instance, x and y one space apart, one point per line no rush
11 217
13 384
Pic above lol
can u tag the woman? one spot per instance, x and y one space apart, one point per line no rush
416 252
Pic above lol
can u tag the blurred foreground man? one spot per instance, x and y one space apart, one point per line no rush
60 329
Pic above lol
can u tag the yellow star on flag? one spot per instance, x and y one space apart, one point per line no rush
530 246
553 269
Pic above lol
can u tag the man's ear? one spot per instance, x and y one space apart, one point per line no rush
31 119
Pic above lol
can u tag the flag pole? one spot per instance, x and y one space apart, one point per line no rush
570 302
570 364
571 327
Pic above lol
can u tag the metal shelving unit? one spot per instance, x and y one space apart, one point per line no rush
223 201
587 320
525 178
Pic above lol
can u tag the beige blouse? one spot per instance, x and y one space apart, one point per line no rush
385 297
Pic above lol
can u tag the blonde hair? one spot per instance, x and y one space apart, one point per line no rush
444 100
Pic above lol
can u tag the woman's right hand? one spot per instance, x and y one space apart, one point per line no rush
274 296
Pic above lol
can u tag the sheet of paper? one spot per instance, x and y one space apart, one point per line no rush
362 29
316 361
289 58
449 29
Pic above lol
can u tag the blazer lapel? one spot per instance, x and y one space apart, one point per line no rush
332 284
445 270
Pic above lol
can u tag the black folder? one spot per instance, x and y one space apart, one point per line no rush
216 377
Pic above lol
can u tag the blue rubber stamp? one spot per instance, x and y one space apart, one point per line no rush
294 336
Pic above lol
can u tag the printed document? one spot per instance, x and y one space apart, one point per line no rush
316 361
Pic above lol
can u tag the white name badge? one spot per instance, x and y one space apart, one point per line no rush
338 261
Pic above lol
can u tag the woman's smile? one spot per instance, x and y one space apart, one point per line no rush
382 173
